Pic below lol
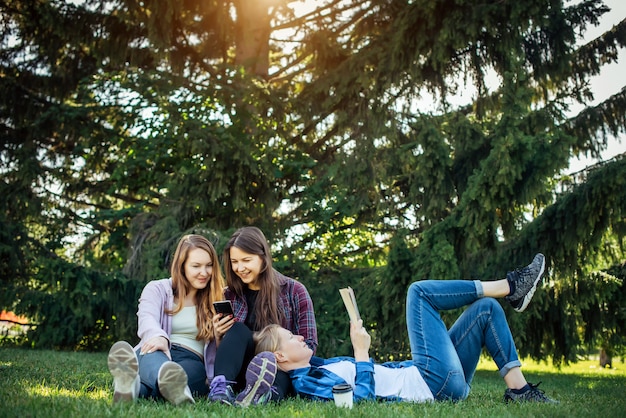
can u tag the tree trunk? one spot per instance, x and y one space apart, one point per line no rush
606 360
253 33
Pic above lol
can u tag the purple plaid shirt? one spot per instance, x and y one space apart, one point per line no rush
297 306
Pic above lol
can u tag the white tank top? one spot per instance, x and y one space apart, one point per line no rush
185 330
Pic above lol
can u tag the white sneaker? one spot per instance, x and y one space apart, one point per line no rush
124 367
172 382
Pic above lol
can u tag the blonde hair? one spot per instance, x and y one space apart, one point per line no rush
268 339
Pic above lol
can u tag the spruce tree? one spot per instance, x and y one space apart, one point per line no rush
126 124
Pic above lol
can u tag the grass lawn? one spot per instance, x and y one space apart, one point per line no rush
62 384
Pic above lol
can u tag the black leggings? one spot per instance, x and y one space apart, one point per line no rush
235 352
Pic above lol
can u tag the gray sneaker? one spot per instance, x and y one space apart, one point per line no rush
124 367
524 282
172 381
531 395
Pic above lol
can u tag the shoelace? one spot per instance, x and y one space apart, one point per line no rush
535 392
219 386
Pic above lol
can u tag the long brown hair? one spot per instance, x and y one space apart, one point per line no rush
251 240
204 297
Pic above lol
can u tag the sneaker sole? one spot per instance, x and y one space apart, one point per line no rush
262 374
172 382
124 367
531 292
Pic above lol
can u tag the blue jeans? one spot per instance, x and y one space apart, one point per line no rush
149 365
446 358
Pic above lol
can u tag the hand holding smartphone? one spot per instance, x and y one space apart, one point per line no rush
224 307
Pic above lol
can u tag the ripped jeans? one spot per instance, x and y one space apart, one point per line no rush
447 359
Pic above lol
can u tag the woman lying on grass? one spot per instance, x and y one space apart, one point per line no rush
444 361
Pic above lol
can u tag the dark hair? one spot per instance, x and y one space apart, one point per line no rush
204 297
251 240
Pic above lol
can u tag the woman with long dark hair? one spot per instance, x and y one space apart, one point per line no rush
260 296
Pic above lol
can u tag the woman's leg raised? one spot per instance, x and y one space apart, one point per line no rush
431 347
234 353
484 324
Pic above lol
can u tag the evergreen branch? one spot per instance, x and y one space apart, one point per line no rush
590 57
607 117
315 14
588 211
24 324
567 184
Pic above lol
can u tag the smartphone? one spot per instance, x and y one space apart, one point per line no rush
224 307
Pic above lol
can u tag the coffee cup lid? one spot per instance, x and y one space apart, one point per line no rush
342 388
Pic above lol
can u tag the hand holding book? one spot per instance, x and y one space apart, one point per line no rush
360 338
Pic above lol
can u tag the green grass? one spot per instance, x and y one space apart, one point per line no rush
61 384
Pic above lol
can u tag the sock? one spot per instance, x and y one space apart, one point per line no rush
511 281
521 390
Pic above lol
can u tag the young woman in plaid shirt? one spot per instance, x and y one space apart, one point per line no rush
260 296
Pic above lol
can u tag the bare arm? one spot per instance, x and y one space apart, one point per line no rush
361 341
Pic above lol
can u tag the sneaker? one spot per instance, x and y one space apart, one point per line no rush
259 379
124 367
533 394
221 390
524 283
172 383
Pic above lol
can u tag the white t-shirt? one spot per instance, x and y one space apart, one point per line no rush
405 383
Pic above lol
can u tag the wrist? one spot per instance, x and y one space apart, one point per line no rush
361 355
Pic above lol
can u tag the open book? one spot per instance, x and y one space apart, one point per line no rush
347 294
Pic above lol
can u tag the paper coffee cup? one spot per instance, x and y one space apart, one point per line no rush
343 395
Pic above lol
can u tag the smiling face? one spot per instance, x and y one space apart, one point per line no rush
246 266
198 268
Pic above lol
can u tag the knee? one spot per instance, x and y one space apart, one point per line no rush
239 331
490 308
241 328
491 305
455 388
416 289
